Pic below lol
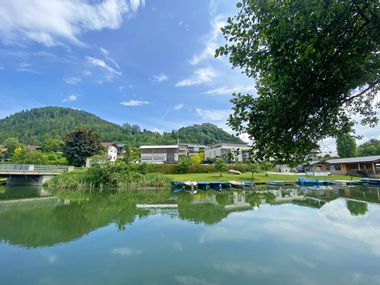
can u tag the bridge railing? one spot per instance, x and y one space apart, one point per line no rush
34 168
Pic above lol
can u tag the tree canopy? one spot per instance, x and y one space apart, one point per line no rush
80 145
314 63
46 126
346 146
371 147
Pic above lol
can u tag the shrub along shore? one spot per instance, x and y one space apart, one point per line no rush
122 176
108 177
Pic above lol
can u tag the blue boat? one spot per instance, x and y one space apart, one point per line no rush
226 185
372 182
216 186
204 186
177 186
305 181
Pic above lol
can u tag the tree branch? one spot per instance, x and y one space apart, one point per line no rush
362 92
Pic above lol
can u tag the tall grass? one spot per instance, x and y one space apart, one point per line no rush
107 177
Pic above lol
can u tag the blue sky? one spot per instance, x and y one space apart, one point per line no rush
143 62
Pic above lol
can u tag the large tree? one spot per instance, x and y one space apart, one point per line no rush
371 147
81 144
346 146
11 144
314 62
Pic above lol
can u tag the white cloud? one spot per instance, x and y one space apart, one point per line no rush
160 77
50 22
134 103
200 76
25 67
72 80
102 64
212 41
70 98
213 115
135 4
242 268
190 280
179 106
178 246
51 258
156 130
225 90
125 251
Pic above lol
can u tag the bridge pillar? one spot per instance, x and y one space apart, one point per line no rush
28 180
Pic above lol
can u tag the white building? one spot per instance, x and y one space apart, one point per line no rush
112 153
238 152
159 153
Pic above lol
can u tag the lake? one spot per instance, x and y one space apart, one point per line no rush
288 236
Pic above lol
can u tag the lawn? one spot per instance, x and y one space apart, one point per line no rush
258 177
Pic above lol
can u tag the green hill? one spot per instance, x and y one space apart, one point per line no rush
36 125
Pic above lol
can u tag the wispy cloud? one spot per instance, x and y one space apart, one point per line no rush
72 80
160 77
178 246
213 115
200 76
225 90
102 64
125 251
211 41
190 280
25 67
179 106
134 103
70 98
51 22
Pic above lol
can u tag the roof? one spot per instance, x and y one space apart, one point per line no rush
230 145
158 146
32 147
359 159
106 144
193 145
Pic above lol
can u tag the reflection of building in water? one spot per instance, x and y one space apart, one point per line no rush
31 203
237 201
21 192
203 198
286 195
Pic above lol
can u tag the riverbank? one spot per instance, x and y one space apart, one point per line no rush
110 179
257 177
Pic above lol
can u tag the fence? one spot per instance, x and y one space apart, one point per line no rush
34 168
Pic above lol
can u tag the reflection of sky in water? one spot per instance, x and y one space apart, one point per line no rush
279 244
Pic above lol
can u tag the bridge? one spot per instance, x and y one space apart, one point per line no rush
30 174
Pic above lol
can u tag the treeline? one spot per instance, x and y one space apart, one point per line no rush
37 125
346 147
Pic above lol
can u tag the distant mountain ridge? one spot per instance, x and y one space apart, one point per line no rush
35 125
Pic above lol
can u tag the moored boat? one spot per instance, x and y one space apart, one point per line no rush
204 186
216 186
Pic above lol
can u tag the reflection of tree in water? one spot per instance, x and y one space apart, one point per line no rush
357 208
309 203
210 208
35 227
255 199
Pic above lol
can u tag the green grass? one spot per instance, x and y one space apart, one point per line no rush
258 177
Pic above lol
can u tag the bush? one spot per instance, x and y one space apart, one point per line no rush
109 176
185 164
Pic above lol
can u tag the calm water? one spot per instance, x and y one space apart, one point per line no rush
325 237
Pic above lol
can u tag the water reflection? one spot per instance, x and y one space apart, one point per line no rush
49 221
267 236
22 192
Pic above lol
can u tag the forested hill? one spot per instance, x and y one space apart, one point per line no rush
36 125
